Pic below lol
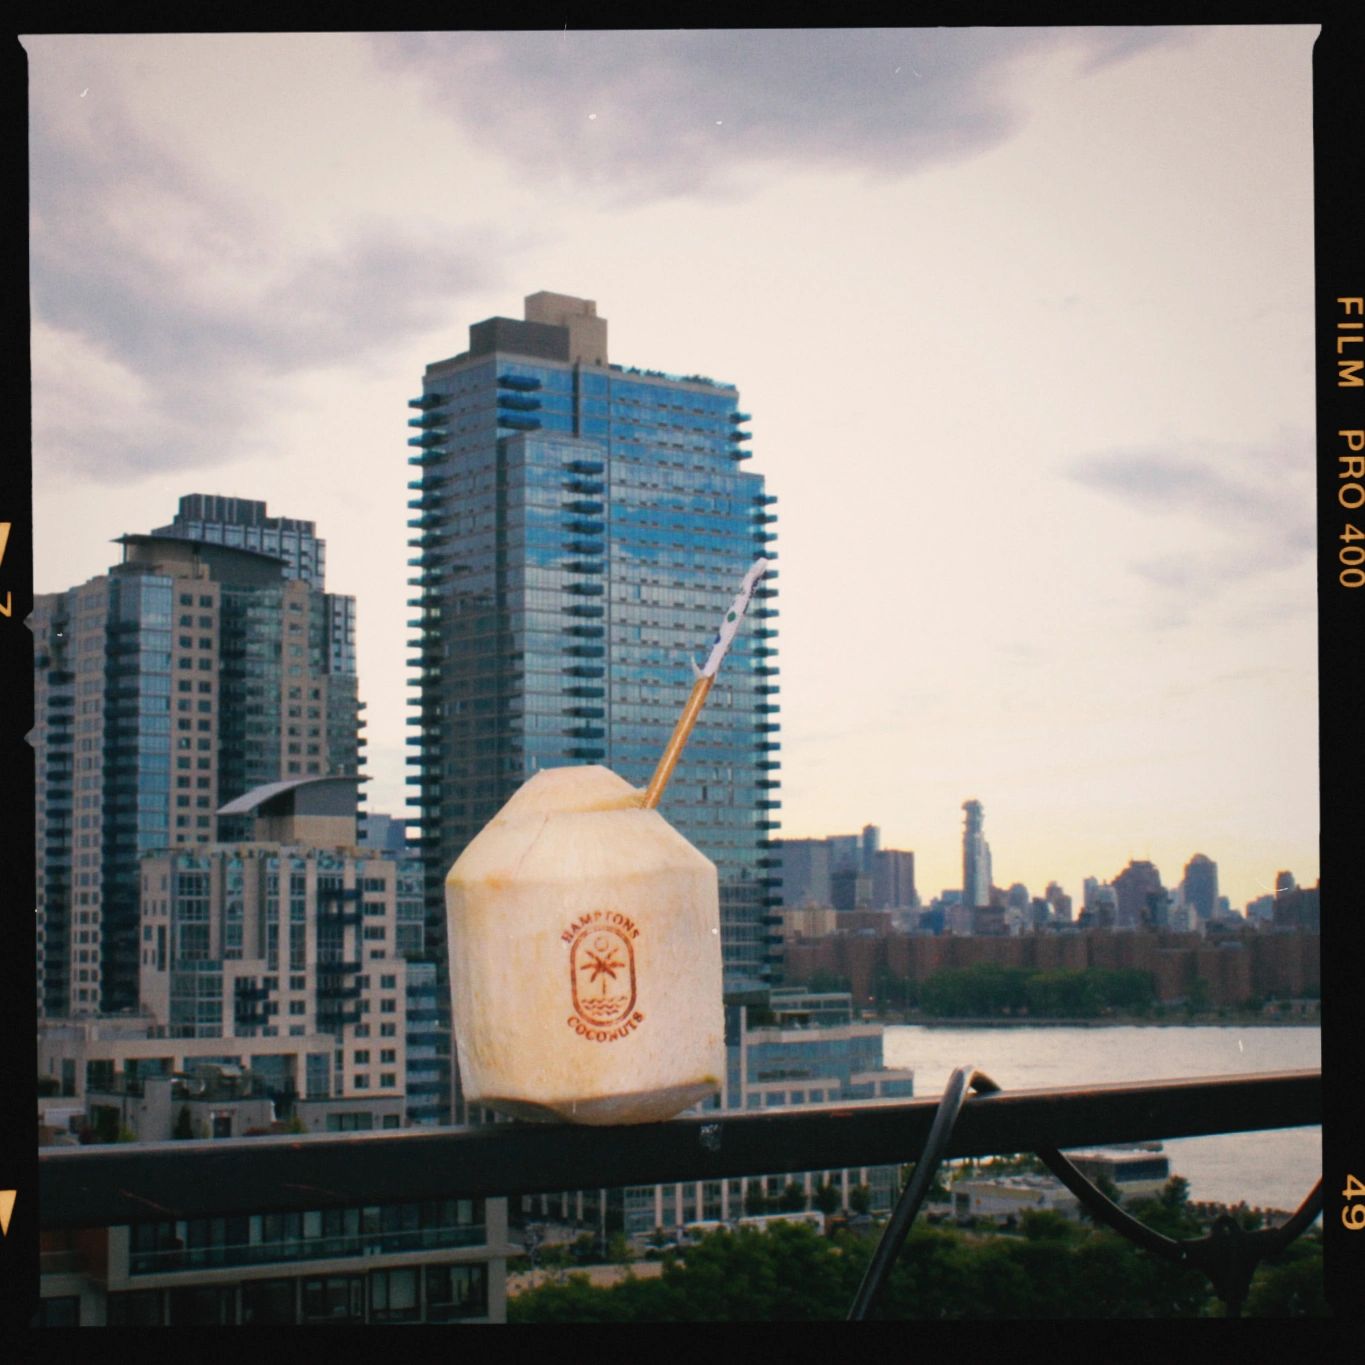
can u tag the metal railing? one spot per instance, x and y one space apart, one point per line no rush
116 1184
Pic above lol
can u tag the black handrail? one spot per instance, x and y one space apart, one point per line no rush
109 1185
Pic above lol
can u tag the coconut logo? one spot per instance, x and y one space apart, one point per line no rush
602 977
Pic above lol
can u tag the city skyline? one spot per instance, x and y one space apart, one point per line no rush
1109 633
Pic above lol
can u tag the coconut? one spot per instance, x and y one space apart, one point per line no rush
585 957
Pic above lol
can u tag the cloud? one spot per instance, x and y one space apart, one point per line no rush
197 302
638 115
1221 485
1240 512
193 308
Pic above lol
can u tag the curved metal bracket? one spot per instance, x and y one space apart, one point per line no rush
1228 1255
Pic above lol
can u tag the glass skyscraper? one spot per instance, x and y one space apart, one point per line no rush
580 528
190 673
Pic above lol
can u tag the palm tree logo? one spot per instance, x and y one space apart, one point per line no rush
602 962
602 975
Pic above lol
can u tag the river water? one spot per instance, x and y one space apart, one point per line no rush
1273 1169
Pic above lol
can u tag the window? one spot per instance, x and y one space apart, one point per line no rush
269 1302
60 1312
393 1296
338 1298
456 1291
140 1309
203 1306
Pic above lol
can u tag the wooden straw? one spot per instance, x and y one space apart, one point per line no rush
706 676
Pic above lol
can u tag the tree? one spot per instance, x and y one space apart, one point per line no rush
1043 1225
755 1199
790 1274
825 1198
860 1199
1197 1002
1290 1285
792 1199
184 1125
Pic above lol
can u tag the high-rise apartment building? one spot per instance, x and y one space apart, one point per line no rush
976 857
580 528
187 675
244 524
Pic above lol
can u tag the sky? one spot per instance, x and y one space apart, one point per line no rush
1023 317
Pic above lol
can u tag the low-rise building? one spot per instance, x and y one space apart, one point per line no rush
441 1261
1005 1199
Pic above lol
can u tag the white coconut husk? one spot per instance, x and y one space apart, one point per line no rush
585 957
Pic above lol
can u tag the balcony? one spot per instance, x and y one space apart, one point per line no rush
378 1243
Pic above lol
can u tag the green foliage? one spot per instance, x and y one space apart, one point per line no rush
1197 1001
860 1199
105 1122
1289 1285
792 1199
184 1125
989 989
1056 1269
1046 1225
825 1198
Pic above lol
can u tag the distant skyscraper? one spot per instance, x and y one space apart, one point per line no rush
805 872
976 858
845 853
872 841
580 528
1200 887
893 880
184 677
1133 887
831 871
1059 901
